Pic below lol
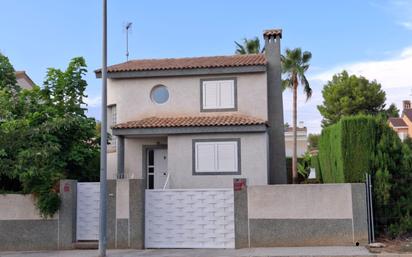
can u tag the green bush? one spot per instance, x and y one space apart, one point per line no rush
363 144
346 149
316 165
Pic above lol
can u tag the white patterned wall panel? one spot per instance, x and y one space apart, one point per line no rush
194 218
88 211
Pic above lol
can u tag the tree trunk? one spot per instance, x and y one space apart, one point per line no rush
295 157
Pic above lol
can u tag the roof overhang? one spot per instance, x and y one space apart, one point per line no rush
189 130
183 72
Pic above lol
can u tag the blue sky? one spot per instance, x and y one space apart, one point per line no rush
371 38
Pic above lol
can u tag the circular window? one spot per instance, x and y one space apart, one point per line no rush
159 94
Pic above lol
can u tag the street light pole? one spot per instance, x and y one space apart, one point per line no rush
103 143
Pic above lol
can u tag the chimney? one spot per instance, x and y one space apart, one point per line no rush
406 104
277 173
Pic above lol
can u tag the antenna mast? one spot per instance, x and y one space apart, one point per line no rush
128 26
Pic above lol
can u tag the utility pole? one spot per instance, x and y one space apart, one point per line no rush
128 26
103 144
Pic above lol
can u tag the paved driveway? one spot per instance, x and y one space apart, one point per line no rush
252 252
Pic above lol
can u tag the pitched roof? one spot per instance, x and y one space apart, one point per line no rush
23 75
189 63
397 122
407 113
191 121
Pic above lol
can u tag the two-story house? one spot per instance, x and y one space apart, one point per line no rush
403 125
198 122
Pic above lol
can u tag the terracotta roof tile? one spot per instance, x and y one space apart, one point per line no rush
272 32
191 121
189 63
397 122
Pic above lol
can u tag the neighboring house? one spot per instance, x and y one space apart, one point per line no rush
302 141
23 80
403 125
198 122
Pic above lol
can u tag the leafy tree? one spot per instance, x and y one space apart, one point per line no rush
249 46
7 76
313 141
392 111
45 136
295 63
350 95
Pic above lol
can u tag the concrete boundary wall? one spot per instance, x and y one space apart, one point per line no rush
300 215
22 227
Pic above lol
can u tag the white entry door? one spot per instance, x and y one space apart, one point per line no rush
160 168
88 211
156 168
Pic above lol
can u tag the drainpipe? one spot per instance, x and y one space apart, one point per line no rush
277 157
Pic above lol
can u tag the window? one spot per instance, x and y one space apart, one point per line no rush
159 94
219 156
111 121
218 94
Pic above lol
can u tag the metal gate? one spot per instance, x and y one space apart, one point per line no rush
87 211
192 218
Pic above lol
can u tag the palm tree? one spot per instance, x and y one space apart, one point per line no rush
295 63
250 46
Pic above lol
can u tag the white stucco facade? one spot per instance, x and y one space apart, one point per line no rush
253 156
133 102
302 143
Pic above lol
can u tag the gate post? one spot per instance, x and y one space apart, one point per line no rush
67 214
111 213
241 213
136 212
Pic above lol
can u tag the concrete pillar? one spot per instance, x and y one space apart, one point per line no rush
111 213
277 157
360 220
136 208
241 213
120 157
67 214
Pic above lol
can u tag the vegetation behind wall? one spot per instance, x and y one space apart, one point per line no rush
364 144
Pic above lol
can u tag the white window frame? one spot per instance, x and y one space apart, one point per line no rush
219 105
216 143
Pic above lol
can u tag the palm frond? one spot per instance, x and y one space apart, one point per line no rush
249 46
286 83
306 56
240 49
306 87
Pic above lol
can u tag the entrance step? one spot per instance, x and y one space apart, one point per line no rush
86 245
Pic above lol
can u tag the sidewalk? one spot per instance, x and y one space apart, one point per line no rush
252 252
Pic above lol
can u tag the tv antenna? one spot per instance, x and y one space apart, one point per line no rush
127 27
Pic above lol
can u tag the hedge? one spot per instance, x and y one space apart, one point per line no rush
346 149
363 144
316 165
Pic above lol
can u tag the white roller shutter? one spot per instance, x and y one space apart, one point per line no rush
218 94
227 96
216 156
227 156
210 94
